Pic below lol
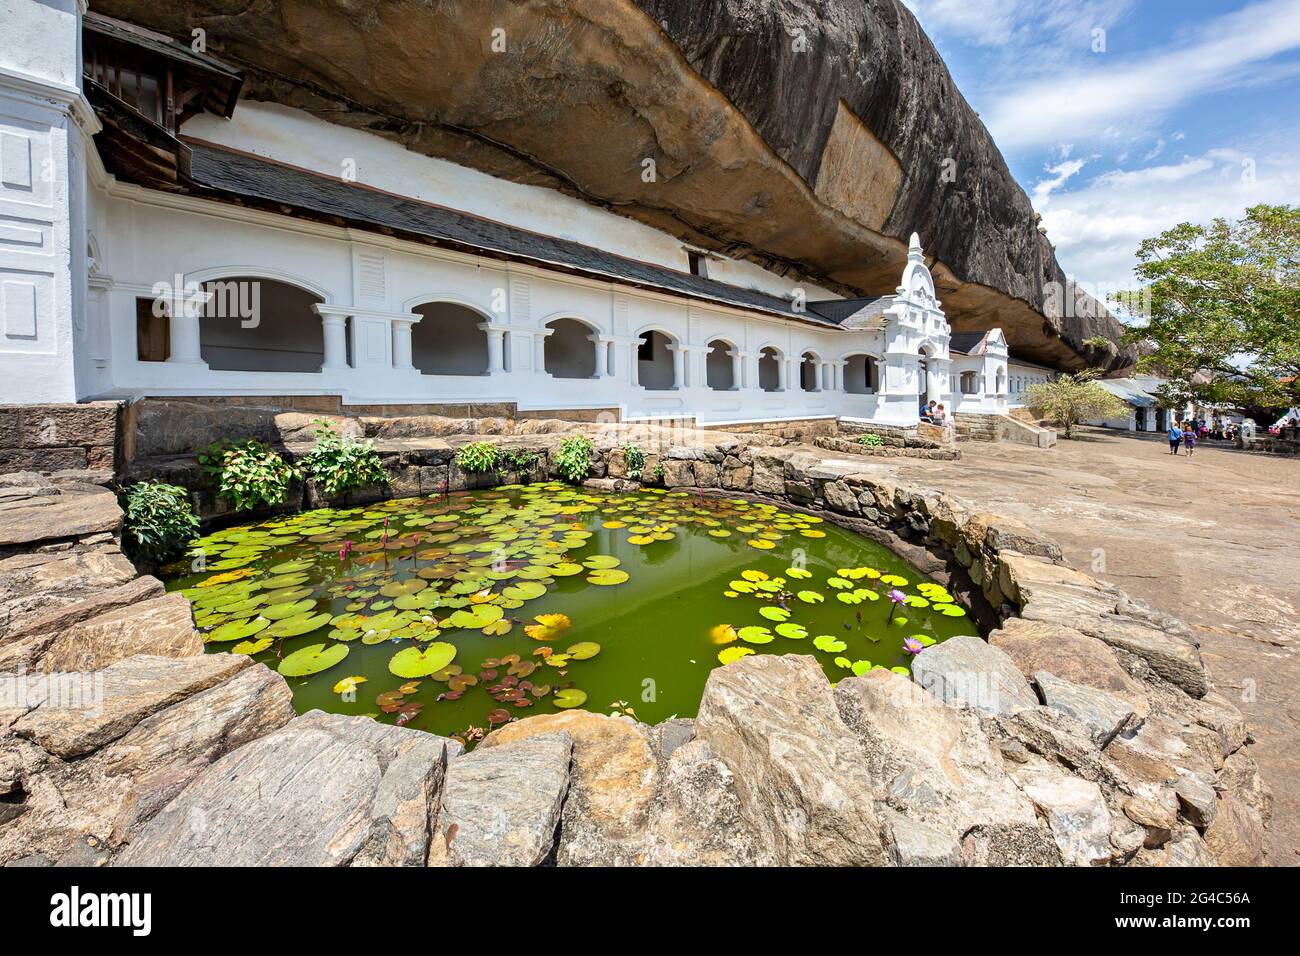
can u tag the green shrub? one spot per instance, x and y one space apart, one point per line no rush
159 520
338 465
477 456
573 457
871 441
634 459
248 474
659 473
521 461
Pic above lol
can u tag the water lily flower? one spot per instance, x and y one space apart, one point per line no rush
897 596
343 551
912 645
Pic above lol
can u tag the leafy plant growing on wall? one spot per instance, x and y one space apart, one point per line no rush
477 456
521 461
248 474
871 440
339 465
634 459
573 457
159 520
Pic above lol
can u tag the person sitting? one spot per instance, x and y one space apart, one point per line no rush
928 411
940 416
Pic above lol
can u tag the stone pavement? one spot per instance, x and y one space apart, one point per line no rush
1214 539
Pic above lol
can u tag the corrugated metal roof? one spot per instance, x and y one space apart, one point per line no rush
1138 392
243 175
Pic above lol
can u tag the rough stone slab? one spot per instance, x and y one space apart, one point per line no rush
132 689
912 843
58 517
611 783
1076 812
800 775
1236 836
939 767
1176 660
967 670
105 796
1105 715
501 805
161 626
321 791
39 582
1070 655
1197 800
56 619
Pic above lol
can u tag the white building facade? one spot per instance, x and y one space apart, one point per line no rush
400 279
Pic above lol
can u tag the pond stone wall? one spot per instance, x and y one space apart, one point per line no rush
1083 731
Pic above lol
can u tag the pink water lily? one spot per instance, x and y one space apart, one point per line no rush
343 551
912 645
897 596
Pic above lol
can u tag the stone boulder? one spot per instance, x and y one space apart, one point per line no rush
160 626
106 792
943 779
971 672
501 805
1104 714
611 783
324 790
1076 812
800 773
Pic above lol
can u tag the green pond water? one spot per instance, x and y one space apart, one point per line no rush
454 614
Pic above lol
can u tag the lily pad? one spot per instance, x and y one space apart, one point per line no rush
584 650
570 697
412 662
312 659
729 654
829 643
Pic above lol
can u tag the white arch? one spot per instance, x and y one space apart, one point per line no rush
726 340
661 329
261 272
449 298
582 319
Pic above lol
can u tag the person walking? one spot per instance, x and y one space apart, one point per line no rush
1189 440
1175 438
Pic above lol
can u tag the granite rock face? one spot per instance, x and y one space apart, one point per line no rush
757 114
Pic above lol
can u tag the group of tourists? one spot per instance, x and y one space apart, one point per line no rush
934 413
1186 434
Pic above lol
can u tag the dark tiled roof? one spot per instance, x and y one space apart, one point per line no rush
966 343
244 176
156 42
838 310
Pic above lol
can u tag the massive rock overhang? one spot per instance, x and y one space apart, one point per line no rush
812 142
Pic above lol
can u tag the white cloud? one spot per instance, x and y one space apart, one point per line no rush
1000 23
1120 95
1098 226
1060 173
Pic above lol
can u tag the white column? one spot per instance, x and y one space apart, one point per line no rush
635 359
495 347
184 312
737 368
539 351
782 373
601 350
333 322
679 365
402 343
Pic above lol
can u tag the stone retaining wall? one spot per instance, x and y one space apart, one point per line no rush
60 438
1083 731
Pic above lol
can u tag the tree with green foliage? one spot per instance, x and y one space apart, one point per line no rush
1074 398
1224 315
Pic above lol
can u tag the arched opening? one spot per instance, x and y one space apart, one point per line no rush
720 366
861 375
970 383
810 372
569 350
252 324
1002 381
448 340
769 370
654 362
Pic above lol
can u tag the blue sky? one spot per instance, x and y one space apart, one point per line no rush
1185 110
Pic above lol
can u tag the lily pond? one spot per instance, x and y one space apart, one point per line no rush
457 613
